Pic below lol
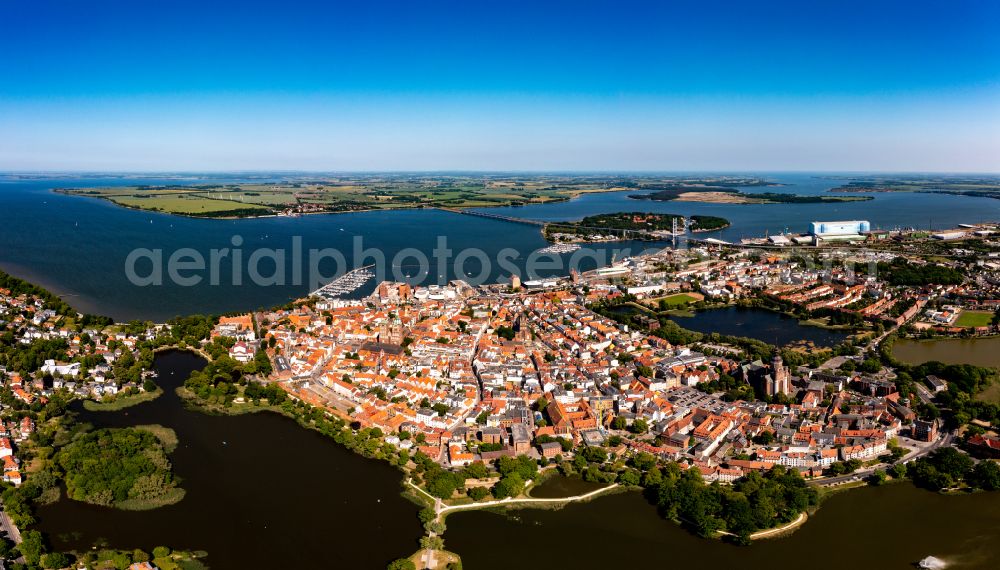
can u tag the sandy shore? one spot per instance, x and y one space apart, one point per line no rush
716 198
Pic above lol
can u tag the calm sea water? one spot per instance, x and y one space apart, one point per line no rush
78 246
888 210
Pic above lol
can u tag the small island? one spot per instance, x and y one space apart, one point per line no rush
728 195
630 225
124 468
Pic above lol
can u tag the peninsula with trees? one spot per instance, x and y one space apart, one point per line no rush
631 225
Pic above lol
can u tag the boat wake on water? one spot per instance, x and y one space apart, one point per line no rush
932 563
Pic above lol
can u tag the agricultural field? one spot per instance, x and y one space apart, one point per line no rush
317 194
247 200
974 319
190 204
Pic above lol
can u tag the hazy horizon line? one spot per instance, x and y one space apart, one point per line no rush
509 171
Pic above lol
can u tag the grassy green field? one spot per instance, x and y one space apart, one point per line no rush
974 319
990 394
678 300
264 198
186 204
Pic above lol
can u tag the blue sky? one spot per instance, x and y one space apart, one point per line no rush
498 85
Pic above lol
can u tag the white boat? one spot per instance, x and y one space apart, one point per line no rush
347 283
932 563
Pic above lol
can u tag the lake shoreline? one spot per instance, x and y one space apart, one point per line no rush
980 351
741 321
193 429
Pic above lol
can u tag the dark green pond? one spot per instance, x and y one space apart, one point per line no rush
761 324
262 492
887 527
978 351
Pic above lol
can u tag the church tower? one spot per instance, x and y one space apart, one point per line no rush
780 376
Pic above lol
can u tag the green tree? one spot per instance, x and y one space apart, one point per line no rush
505 332
594 454
478 493
629 477
640 426
870 365
985 475
898 471
877 478
436 527
942 469
55 560
510 485
432 542
476 470
32 546
108 466
443 484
